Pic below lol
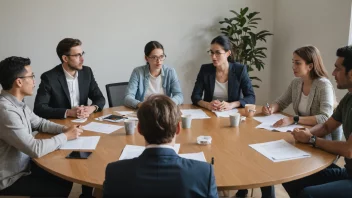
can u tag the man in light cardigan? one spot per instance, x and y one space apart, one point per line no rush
19 176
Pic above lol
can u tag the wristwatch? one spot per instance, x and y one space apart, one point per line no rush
295 119
313 140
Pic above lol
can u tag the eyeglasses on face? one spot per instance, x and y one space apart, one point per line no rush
32 76
155 58
76 55
217 53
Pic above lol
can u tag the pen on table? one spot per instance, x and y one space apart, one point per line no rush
268 107
212 160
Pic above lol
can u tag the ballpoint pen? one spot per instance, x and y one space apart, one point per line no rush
268 107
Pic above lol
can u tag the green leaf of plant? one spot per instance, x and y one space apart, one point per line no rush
251 15
255 78
234 12
244 11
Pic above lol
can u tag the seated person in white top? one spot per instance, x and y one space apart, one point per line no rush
153 78
310 92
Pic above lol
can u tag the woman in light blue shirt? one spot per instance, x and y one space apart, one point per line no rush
153 78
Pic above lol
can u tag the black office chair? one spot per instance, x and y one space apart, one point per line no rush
116 93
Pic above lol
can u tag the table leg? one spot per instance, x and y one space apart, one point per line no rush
98 193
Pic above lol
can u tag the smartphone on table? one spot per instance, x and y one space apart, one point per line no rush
79 155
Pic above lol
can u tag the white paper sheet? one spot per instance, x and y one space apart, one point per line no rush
280 150
225 114
133 151
270 127
195 156
195 113
83 143
80 120
101 128
270 118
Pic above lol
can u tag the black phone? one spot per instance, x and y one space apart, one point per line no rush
114 117
78 155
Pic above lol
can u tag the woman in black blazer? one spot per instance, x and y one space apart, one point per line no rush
225 83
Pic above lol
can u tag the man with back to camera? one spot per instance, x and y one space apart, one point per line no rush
333 181
19 175
65 89
159 171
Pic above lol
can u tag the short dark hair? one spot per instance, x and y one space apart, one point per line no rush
152 45
226 44
65 45
10 69
158 119
346 53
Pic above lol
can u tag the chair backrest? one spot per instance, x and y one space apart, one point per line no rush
116 93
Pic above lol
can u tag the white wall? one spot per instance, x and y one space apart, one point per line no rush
114 34
322 23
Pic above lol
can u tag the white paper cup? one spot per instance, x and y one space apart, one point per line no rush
235 119
129 126
186 121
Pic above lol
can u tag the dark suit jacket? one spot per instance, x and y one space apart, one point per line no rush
159 172
238 81
53 97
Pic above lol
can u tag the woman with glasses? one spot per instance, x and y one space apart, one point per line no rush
153 78
225 83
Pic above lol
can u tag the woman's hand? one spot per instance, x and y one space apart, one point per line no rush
284 122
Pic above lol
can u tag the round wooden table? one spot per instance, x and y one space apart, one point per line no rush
237 166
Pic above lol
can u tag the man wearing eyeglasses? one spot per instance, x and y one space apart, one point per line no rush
65 89
19 175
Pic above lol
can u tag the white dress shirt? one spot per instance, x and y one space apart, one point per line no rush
73 88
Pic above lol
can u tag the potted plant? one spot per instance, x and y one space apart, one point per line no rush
244 41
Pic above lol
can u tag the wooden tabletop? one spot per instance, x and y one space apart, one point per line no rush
237 166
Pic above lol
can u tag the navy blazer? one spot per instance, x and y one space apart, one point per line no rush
159 172
53 97
238 81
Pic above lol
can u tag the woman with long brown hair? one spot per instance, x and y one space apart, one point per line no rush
311 92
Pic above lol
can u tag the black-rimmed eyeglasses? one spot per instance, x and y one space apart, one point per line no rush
154 58
32 76
76 55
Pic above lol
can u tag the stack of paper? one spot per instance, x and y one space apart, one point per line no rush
195 156
270 118
80 120
270 127
268 121
84 143
225 114
101 128
133 151
280 150
195 113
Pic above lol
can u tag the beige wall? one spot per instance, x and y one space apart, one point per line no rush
114 33
323 23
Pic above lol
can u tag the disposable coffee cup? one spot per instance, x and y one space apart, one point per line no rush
186 121
129 126
235 119
249 110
